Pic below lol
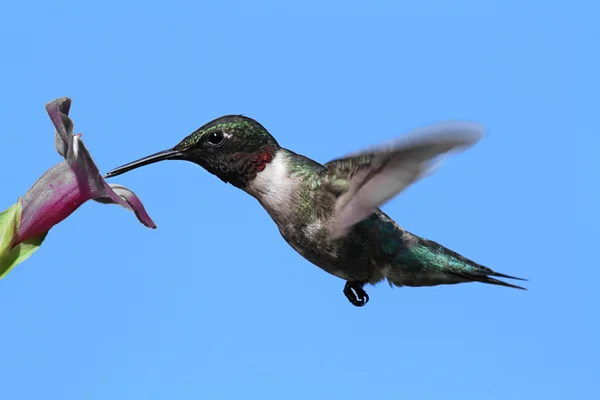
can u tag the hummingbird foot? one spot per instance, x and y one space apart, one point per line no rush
356 294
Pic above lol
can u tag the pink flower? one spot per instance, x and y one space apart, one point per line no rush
59 192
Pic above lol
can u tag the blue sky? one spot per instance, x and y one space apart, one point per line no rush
214 304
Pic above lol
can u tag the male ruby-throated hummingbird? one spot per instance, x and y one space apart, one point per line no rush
330 213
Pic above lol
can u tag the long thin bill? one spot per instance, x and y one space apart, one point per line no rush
151 159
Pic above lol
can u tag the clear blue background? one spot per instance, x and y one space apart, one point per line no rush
214 304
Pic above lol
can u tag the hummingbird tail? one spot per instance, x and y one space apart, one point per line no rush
428 263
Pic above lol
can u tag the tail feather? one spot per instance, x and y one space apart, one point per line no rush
492 281
499 275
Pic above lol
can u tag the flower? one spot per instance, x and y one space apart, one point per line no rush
58 193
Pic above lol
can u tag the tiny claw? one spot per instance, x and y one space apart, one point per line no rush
355 294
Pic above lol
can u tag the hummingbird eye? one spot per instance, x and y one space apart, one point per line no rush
216 138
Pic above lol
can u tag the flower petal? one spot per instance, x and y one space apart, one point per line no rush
133 203
58 110
88 174
50 200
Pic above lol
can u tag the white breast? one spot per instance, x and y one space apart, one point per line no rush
273 186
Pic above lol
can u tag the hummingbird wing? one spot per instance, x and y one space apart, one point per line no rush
364 181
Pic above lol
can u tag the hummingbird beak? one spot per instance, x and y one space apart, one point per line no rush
151 159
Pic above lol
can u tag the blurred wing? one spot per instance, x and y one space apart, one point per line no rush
364 181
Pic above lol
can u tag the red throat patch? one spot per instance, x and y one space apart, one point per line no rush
248 165
262 159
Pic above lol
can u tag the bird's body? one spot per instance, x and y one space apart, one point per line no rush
377 248
330 213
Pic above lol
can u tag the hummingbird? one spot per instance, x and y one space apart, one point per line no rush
330 213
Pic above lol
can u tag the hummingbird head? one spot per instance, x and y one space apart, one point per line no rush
233 147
